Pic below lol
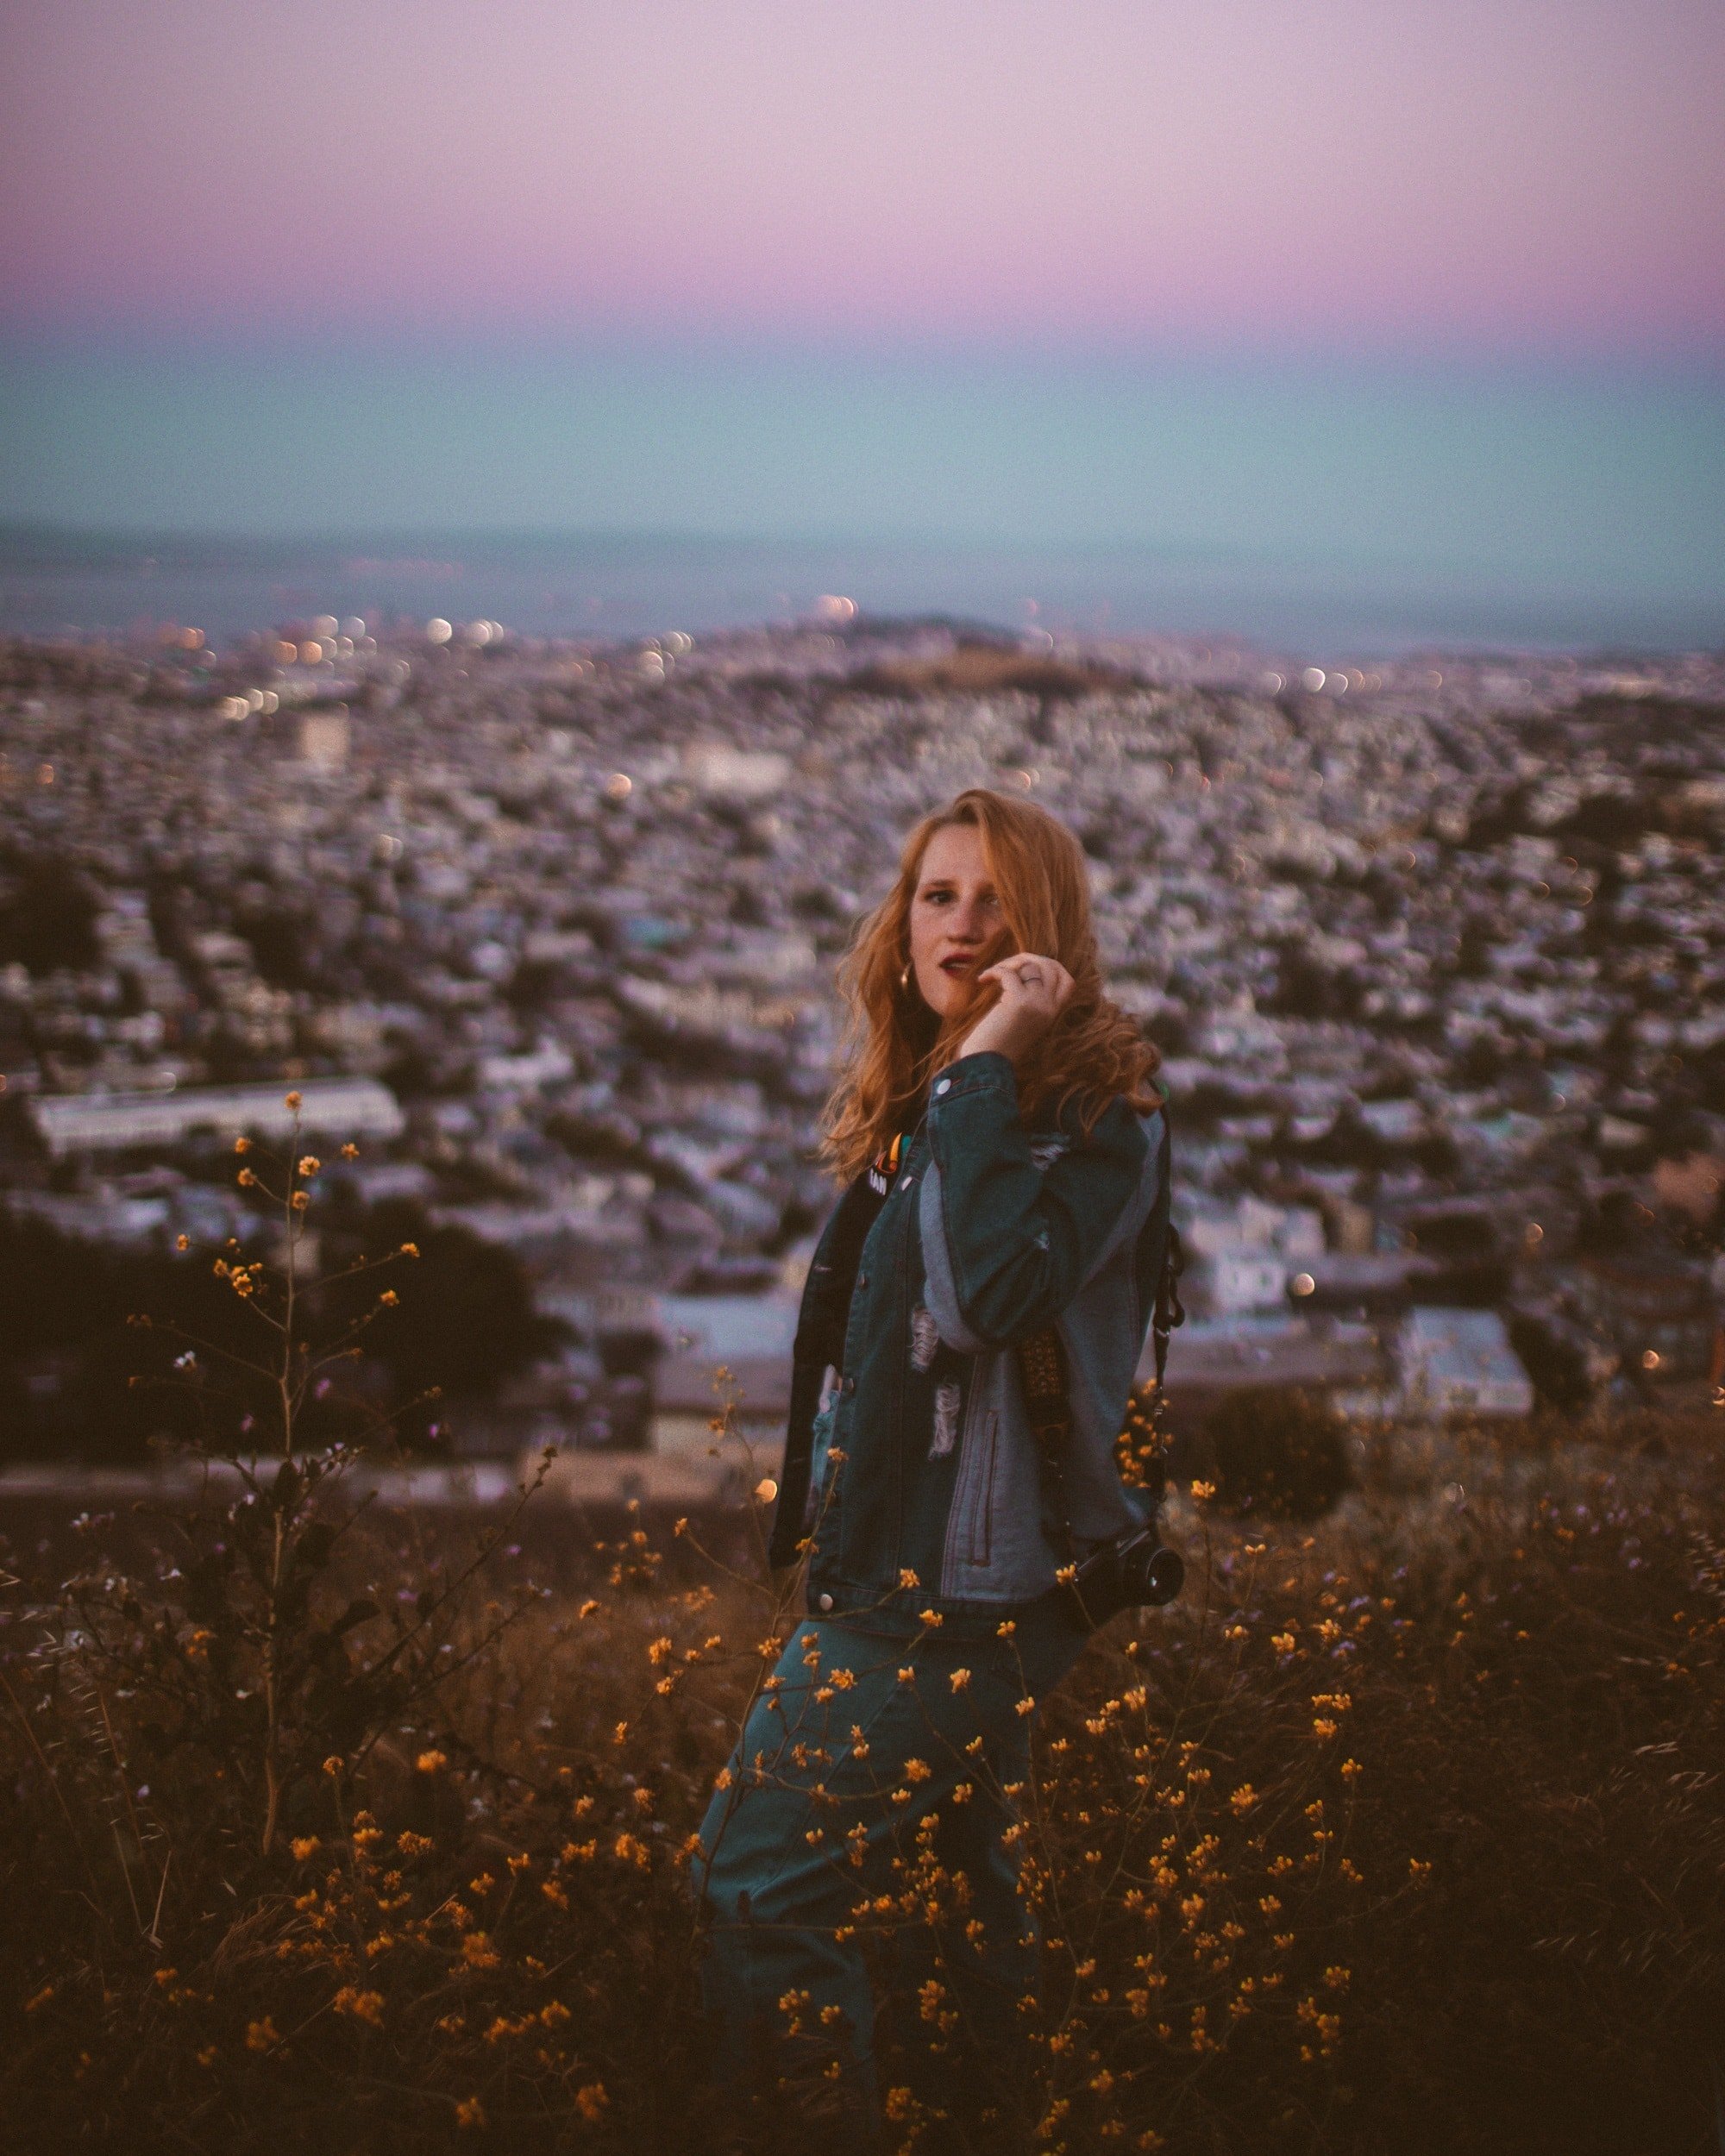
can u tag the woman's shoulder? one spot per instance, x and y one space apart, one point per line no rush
1115 1122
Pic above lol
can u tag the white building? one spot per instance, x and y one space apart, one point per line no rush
1459 1362
1245 1279
329 1107
751 1337
1242 1258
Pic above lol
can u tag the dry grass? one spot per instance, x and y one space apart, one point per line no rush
1403 1832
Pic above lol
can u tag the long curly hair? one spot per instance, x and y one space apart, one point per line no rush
894 1044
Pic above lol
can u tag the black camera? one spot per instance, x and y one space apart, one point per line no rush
1137 1570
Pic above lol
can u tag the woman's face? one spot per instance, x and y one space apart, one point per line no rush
957 923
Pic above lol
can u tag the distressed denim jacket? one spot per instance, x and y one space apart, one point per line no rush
911 1472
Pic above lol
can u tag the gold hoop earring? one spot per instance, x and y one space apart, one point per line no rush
905 977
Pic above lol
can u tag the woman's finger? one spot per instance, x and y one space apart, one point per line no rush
1029 980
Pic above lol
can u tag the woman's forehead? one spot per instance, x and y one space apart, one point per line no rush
955 850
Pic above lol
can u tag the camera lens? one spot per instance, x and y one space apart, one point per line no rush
1167 1576
1155 1574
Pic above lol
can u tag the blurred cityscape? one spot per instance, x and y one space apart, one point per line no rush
1434 952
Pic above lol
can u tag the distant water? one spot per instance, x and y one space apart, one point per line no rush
1319 506
599 588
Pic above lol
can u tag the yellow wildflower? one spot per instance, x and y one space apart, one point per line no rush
364 2006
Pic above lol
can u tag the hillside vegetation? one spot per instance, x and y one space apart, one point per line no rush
1402 1829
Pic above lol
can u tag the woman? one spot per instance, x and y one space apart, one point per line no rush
999 1132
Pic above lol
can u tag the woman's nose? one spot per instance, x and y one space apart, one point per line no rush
969 924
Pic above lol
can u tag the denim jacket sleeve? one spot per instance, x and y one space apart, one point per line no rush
1019 1242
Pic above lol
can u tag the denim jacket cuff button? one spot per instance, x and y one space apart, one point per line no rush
986 1068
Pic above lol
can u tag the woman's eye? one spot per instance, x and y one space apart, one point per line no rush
988 899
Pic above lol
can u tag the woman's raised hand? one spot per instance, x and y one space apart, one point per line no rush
1034 992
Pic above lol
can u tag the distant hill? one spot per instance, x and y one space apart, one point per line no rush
976 669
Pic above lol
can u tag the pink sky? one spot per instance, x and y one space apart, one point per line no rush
1486 175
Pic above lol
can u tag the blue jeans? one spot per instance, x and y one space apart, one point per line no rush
843 1766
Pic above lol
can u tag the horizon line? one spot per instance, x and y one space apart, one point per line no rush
1699 359
338 539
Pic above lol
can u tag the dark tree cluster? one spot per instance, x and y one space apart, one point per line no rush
47 913
80 1378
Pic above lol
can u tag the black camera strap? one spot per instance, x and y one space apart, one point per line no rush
1170 1310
